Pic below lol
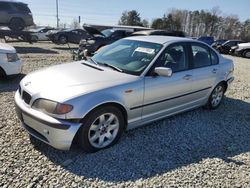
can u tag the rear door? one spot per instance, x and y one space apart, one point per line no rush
205 65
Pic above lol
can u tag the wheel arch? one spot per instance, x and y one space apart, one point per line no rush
115 104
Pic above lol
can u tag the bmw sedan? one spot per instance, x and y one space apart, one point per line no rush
127 84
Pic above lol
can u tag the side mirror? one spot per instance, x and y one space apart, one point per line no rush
163 71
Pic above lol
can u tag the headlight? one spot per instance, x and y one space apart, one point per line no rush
51 107
12 57
91 41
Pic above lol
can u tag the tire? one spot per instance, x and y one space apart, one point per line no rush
16 24
62 39
246 54
34 38
98 132
2 74
216 97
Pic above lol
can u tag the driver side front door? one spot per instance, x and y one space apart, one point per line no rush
167 95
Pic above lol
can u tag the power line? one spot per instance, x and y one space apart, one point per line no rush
57 17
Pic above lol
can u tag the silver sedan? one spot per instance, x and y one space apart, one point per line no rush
127 84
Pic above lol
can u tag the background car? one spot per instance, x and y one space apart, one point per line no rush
206 39
159 32
10 63
68 36
103 38
226 46
242 50
40 34
15 15
129 83
218 42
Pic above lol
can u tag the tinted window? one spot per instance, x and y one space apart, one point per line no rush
4 6
22 7
200 56
174 57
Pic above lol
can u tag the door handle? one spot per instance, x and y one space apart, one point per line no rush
187 77
214 71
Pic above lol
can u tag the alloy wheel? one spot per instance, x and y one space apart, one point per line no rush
217 95
103 130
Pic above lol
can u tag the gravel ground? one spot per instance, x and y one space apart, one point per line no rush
199 148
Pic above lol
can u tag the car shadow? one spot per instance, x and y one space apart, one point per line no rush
65 48
34 50
10 83
165 145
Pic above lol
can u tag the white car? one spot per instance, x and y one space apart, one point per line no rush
40 34
243 50
10 63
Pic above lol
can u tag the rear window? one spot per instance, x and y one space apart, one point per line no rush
22 7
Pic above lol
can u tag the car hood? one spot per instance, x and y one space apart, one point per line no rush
92 30
5 48
65 81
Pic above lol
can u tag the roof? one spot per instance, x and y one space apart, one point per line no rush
12 1
5 48
119 26
159 39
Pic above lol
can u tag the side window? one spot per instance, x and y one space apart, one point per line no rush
214 58
201 56
4 6
174 57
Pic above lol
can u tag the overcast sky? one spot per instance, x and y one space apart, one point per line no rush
109 11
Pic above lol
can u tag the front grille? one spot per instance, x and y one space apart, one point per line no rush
26 97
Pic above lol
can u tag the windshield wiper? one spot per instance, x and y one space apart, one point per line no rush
93 61
112 66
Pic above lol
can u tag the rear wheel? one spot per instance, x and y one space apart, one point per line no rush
16 24
246 54
101 129
63 39
34 38
216 96
2 74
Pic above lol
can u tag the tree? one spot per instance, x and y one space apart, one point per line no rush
75 24
130 18
157 23
145 23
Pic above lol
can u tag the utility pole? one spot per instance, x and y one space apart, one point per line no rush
57 16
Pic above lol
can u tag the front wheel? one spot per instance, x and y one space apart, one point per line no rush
101 129
246 54
216 97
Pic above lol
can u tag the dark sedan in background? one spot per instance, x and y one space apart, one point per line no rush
226 46
68 36
103 38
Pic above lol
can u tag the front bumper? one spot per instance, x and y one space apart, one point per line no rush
238 52
12 68
55 132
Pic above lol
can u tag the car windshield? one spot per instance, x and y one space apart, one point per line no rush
107 32
129 56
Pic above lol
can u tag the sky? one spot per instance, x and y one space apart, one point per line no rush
109 11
